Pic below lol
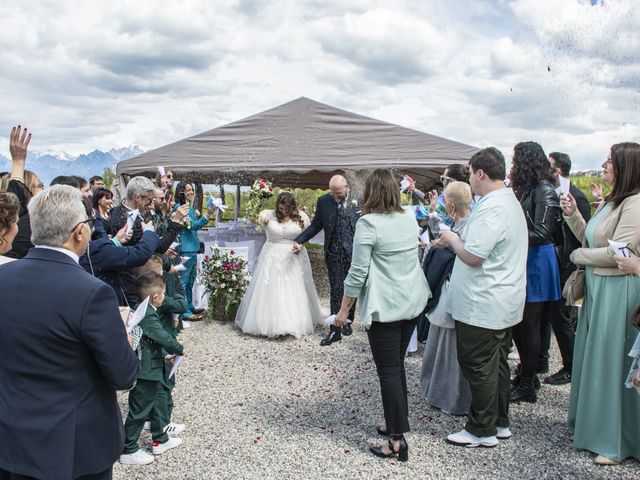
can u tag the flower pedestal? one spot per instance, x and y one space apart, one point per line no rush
217 305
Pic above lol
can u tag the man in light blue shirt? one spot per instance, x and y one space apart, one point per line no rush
486 298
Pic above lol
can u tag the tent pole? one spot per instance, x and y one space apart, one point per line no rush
237 203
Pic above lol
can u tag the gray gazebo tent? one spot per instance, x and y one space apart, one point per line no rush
299 144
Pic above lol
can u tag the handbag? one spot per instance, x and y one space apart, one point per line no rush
635 318
574 287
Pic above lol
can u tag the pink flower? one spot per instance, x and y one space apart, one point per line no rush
261 187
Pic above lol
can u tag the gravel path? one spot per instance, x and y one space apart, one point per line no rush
287 408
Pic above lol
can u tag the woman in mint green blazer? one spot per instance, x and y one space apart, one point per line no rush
387 280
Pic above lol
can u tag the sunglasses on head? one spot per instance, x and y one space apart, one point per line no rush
89 221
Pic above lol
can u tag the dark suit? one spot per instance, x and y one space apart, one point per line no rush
337 251
559 316
65 354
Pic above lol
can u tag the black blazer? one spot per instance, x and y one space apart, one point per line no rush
569 241
65 353
325 218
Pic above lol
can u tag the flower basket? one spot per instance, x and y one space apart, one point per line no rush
218 309
224 276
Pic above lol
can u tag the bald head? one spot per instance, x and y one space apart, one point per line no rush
339 188
338 181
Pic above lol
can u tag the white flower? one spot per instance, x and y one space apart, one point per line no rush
222 285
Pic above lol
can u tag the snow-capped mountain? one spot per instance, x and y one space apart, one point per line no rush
49 165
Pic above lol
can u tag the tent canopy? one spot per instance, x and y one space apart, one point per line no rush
301 143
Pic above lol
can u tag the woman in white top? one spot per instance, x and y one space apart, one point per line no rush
281 298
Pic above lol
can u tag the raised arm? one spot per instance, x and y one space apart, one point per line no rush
18 146
627 232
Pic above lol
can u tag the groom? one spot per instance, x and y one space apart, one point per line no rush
336 213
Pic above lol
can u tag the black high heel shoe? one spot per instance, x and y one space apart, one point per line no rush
384 433
402 454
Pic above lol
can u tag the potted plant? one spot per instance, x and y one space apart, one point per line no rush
225 278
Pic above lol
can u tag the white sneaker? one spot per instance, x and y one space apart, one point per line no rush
466 439
186 324
174 428
147 425
160 448
138 458
503 433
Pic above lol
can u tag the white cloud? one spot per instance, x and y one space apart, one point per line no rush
88 75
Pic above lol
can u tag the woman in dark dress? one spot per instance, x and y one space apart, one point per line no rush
532 183
24 184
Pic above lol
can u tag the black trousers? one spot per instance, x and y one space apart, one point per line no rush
388 342
526 336
338 264
560 318
105 475
482 354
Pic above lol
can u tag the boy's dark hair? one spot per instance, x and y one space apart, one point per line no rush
491 162
81 180
148 283
66 180
562 161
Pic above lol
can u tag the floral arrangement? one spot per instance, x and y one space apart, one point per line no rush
225 278
186 223
261 189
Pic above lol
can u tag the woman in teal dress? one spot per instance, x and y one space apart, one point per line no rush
190 243
604 415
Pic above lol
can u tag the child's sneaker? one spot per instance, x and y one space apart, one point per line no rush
160 448
137 458
174 428
147 425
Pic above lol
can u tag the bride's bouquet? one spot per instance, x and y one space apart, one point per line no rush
224 276
261 189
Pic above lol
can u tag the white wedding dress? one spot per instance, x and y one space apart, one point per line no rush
281 298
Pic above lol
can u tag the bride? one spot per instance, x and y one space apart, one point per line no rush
281 298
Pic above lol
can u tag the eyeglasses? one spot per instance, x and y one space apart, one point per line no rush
444 178
89 221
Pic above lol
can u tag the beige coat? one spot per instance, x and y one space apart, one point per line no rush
621 224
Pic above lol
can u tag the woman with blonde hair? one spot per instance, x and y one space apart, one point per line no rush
386 277
442 383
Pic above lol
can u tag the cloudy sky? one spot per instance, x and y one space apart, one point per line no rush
94 74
